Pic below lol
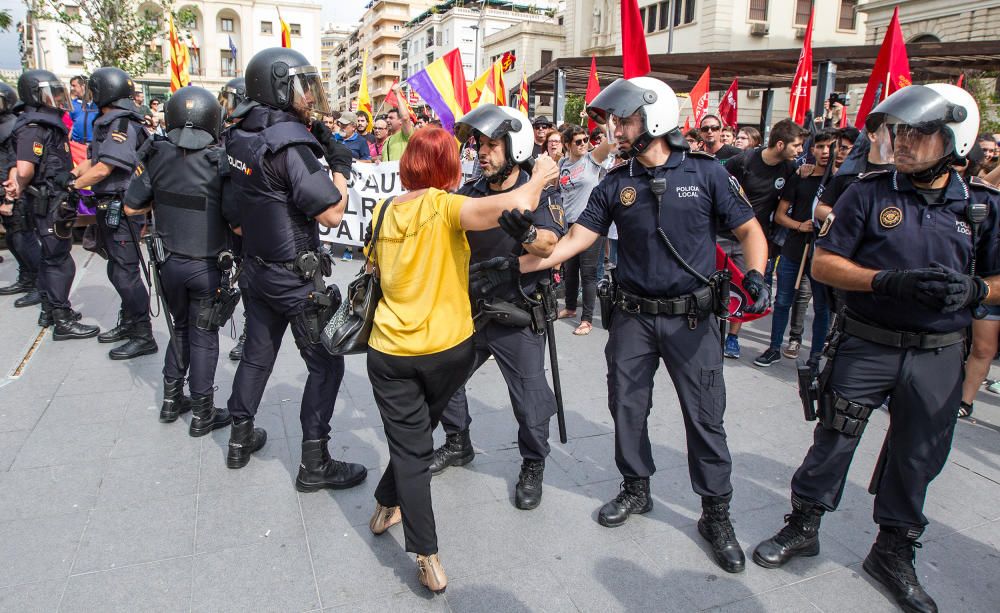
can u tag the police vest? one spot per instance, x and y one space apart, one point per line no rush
274 229
55 144
8 155
187 196
108 126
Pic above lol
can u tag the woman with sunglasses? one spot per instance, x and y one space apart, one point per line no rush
579 173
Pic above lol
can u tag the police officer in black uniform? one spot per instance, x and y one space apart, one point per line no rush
21 238
668 203
43 179
506 141
283 193
915 250
182 177
118 134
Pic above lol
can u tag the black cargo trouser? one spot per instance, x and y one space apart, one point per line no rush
187 284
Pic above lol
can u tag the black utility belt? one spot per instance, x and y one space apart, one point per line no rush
898 339
287 265
631 303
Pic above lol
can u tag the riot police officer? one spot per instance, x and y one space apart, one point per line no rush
118 134
667 203
43 177
21 238
517 343
283 193
901 336
182 178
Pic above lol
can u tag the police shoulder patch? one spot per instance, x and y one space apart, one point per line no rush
737 190
980 182
827 223
558 214
139 169
875 174
37 148
119 137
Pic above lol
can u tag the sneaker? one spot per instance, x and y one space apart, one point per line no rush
791 350
993 388
348 255
767 358
732 349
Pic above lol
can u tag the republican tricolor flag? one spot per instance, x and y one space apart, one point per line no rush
443 87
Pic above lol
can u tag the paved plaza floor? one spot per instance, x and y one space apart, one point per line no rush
103 508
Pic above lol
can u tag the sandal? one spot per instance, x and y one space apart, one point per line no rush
566 314
583 329
964 410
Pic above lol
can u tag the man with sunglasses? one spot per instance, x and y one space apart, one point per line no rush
917 252
711 135
541 126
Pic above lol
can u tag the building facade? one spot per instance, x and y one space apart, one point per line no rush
929 21
534 44
330 37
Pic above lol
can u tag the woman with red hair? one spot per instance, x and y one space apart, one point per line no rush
420 348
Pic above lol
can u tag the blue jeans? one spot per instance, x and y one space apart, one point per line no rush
788 269
613 257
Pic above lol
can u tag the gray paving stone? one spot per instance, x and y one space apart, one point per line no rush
403 601
160 474
51 490
10 444
159 586
140 532
846 589
141 437
39 549
69 410
527 589
272 466
67 445
20 409
41 597
233 518
782 600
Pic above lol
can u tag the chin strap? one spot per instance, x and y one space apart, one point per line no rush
942 167
503 173
640 144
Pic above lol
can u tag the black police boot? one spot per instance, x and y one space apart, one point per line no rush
45 315
716 528
21 286
891 563
528 493
319 471
32 298
139 343
122 330
174 400
244 440
799 537
67 326
205 416
456 451
633 498
236 353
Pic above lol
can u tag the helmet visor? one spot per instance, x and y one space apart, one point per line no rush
916 106
489 120
307 91
53 94
620 99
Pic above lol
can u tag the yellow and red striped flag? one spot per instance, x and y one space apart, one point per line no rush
179 60
286 32
522 95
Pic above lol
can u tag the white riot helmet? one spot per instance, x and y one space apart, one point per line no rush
497 122
931 108
651 98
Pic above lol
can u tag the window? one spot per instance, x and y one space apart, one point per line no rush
395 28
430 37
546 56
758 10
664 16
228 64
72 11
154 61
642 14
684 12
395 65
195 67
74 55
803 8
437 39
430 57
848 15
295 29
689 11
266 27
226 24
651 18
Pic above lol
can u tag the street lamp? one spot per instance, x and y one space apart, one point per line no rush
475 65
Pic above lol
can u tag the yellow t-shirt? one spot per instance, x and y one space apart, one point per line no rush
423 261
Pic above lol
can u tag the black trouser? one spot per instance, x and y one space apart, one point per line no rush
187 284
279 297
56 267
924 387
693 359
123 264
520 354
23 243
582 268
411 392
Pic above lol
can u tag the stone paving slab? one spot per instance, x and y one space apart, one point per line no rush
102 508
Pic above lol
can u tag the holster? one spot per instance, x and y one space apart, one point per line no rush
505 313
606 299
719 282
319 311
40 200
213 313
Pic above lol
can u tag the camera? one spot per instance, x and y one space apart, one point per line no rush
840 98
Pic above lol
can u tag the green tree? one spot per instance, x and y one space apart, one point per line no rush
5 19
983 88
111 32
574 106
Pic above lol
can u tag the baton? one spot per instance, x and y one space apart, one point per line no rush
155 283
550 334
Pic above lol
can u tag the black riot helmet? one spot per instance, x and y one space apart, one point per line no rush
8 98
232 95
42 88
282 78
194 118
110 86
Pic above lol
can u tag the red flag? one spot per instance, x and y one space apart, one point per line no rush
798 105
728 105
699 96
593 88
635 58
843 119
738 297
891 72
687 124
961 79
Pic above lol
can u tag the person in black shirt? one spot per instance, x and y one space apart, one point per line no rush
795 213
762 172
711 134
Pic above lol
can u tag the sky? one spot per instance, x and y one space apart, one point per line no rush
342 11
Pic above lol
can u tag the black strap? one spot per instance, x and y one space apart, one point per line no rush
654 306
670 246
375 231
898 339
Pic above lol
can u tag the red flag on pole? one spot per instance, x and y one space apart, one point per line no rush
728 105
593 88
798 105
891 72
635 58
699 96
961 79
390 99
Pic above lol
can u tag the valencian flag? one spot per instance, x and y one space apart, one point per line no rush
699 96
593 88
635 58
489 87
443 87
727 106
364 99
891 72
798 105
179 60
286 32
522 94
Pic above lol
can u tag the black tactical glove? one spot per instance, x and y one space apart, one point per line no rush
337 156
64 180
905 285
954 293
753 283
519 224
484 277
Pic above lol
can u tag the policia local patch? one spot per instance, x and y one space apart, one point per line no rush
890 217
627 197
